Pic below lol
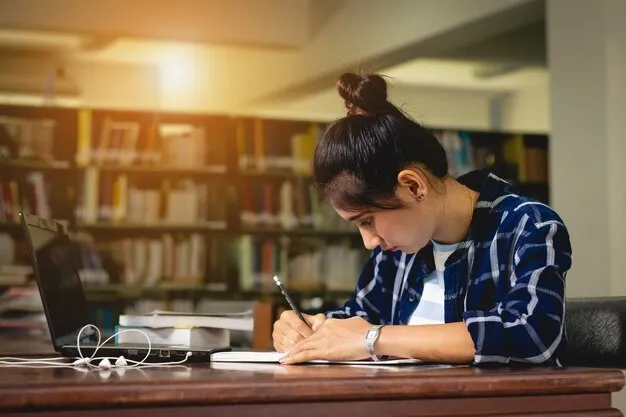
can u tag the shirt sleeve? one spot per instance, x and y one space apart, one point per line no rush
527 326
370 300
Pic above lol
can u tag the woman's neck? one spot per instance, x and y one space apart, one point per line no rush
457 209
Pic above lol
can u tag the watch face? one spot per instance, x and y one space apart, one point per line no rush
371 334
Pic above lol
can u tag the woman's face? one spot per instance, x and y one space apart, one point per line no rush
407 229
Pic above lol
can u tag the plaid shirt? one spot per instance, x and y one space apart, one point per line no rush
506 280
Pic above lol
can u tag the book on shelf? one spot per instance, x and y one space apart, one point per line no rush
286 205
332 266
28 138
168 258
104 139
264 146
31 195
526 154
462 156
530 160
108 197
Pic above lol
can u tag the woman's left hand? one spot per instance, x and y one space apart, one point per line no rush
336 339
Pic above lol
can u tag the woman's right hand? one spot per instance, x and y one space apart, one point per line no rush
289 329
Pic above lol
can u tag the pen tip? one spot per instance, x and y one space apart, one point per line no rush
276 280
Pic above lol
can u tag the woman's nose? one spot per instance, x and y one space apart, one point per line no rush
370 240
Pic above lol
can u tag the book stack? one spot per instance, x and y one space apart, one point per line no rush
183 329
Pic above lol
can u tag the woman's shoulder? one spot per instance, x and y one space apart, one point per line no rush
500 201
517 208
522 221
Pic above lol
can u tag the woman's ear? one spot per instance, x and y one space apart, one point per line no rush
414 183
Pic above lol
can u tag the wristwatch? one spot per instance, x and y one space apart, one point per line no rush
370 339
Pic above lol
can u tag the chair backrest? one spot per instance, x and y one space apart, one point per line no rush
596 332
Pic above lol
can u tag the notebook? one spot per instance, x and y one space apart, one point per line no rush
274 357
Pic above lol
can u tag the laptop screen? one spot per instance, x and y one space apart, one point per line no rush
54 262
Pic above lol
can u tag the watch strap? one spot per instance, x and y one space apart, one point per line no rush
370 340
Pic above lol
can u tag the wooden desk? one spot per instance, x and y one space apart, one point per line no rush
322 390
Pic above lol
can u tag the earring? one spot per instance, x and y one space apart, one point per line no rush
420 197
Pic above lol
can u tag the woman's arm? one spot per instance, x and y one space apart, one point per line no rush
344 339
527 326
450 342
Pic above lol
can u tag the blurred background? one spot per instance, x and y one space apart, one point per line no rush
174 138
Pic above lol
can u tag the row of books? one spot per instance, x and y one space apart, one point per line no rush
116 198
462 156
260 145
109 197
147 262
27 138
289 204
263 146
211 262
334 267
30 195
128 142
529 161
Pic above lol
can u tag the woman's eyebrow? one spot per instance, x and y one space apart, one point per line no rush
356 216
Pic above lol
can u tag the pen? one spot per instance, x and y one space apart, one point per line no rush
288 298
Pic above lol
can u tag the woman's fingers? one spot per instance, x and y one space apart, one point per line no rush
289 330
304 351
317 321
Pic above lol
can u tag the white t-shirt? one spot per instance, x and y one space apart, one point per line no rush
430 308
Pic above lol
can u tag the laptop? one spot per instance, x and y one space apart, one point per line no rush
65 305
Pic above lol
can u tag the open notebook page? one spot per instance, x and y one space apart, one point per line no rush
273 357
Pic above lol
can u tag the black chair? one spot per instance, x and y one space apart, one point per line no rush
596 332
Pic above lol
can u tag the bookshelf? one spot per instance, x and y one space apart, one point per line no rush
173 206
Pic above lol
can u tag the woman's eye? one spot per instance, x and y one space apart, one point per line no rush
366 222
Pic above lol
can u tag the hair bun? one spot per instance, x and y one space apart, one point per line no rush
369 92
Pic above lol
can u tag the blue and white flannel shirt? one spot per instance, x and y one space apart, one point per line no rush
506 280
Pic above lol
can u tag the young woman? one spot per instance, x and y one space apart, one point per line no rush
462 270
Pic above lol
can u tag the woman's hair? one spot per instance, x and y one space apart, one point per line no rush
358 158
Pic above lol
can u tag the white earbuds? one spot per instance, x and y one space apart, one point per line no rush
81 361
86 363
104 364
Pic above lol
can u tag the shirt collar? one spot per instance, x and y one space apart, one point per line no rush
487 184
